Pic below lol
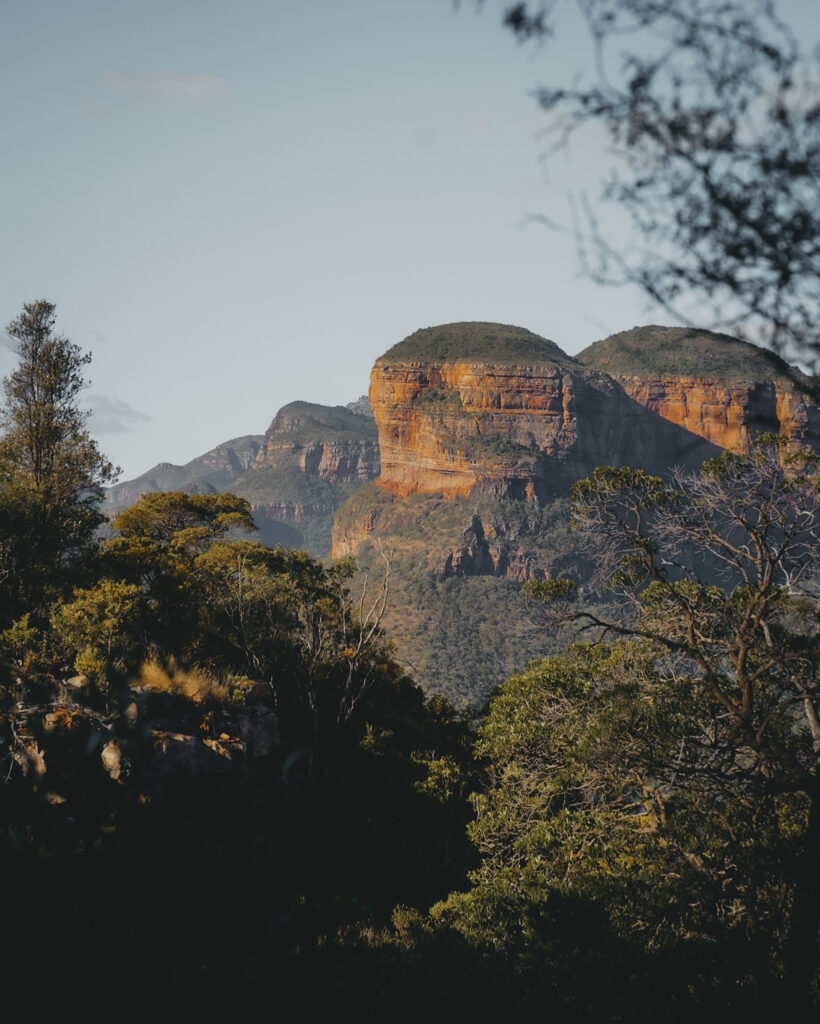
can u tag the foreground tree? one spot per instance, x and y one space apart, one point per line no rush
715 577
51 470
710 111
608 868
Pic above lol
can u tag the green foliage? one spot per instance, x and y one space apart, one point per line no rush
51 471
19 643
183 521
241 717
101 627
588 800
672 778
549 591
637 485
45 442
443 400
496 447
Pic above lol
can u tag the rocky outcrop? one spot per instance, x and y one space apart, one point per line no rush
313 457
718 387
520 416
336 443
491 552
295 511
295 475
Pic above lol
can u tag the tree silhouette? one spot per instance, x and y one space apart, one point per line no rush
711 114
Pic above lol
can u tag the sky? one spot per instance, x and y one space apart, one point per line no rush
235 205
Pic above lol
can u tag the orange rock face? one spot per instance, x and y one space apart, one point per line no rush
729 414
446 427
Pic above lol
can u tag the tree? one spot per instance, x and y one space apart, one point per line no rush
715 576
711 113
156 547
51 470
236 605
101 628
604 860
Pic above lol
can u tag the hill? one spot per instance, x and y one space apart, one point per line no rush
684 352
214 471
477 341
308 462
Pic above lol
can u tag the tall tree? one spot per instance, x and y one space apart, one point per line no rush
51 470
717 573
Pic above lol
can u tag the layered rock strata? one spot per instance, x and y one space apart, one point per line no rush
295 475
718 387
334 443
520 416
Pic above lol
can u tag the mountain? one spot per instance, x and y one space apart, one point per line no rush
296 475
714 385
312 459
214 471
483 427
471 404
459 467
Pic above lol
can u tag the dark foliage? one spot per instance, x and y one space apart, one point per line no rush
710 111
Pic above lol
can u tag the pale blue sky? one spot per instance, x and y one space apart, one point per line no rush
238 204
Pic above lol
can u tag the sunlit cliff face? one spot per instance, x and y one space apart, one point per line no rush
489 409
722 389
529 428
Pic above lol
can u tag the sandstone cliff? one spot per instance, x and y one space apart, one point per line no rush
718 387
482 429
313 457
467 404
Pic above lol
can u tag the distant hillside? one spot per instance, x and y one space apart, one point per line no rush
309 461
214 471
457 613
478 342
305 422
463 474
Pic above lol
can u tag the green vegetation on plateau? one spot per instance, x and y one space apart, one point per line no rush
477 342
683 351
